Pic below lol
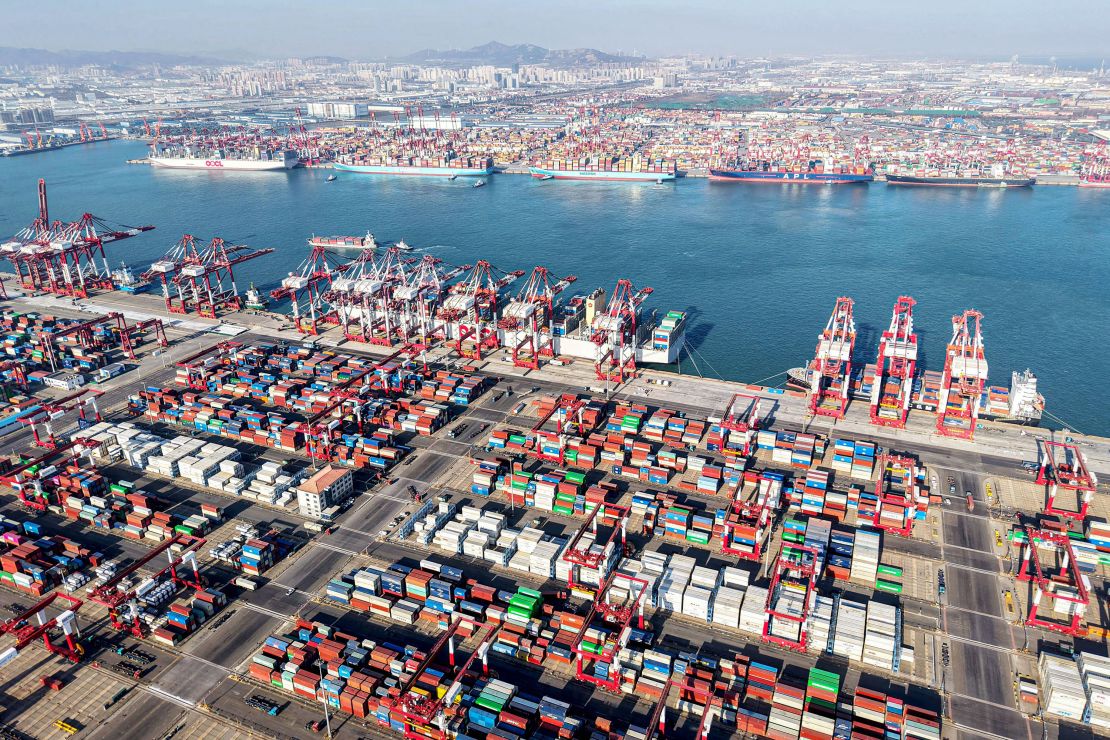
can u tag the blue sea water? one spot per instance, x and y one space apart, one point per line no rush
758 267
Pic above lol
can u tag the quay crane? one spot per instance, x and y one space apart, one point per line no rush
892 388
197 274
831 367
305 289
964 378
614 333
363 296
472 306
529 316
61 258
418 299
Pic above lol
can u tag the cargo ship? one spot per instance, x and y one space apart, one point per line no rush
994 176
252 159
126 281
813 172
448 166
1095 175
605 169
343 242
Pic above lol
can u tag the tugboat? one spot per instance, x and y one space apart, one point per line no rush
331 178
479 183
255 301
126 281
401 246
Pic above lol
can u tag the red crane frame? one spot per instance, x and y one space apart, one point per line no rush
574 556
538 294
833 362
1069 575
795 569
622 616
744 420
308 285
1071 474
886 495
965 377
615 330
26 633
897 360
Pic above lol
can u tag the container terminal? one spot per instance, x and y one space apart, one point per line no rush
451 501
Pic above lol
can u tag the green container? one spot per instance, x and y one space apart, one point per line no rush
590 647
490 704
563 510
573 477
182 529
571 455
700 538
824 703
530 592
894 588
520 611
890 570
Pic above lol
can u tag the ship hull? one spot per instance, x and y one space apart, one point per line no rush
778 178
239 165
1095 184
541 172
373 169
961 182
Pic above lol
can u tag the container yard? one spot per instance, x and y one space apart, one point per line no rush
516 557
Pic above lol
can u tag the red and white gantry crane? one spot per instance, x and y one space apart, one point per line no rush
895 367
964 377
526 320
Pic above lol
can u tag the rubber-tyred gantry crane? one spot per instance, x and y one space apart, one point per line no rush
614 333
742 421
713 707
831 367
305 289
25 632
194 364
615 619
748 525
473 307
897 492
54 408
1062 465
569 421
61 258
594 557
790 595
28 477
895 367
109 594
964 377
526 320
1063 586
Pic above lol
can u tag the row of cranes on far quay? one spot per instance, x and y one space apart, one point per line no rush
384 296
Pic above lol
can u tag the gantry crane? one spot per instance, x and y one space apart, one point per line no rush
418 300
195 363
472 307
305 289
792 573
741 418
25 632
831 368
528 318
1062 465
198 275
895 367
108 594
27 477
749 523
1065 588
897 494
584 558
964 377
614 333
51 409
61 258
713 707
363 297
617 620
569 420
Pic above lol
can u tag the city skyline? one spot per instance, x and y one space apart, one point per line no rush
246 29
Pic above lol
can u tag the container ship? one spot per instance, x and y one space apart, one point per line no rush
344 242
816 173
251 159
446 166
605 169
1095 175
994 176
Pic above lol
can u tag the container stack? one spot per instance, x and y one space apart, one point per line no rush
1062 687
851 622
820 624
1095 672
882 636
753 613
865 557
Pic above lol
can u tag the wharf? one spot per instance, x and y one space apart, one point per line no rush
1002 445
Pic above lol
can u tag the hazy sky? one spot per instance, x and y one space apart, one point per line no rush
376 28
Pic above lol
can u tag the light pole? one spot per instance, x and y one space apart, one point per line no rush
327 717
